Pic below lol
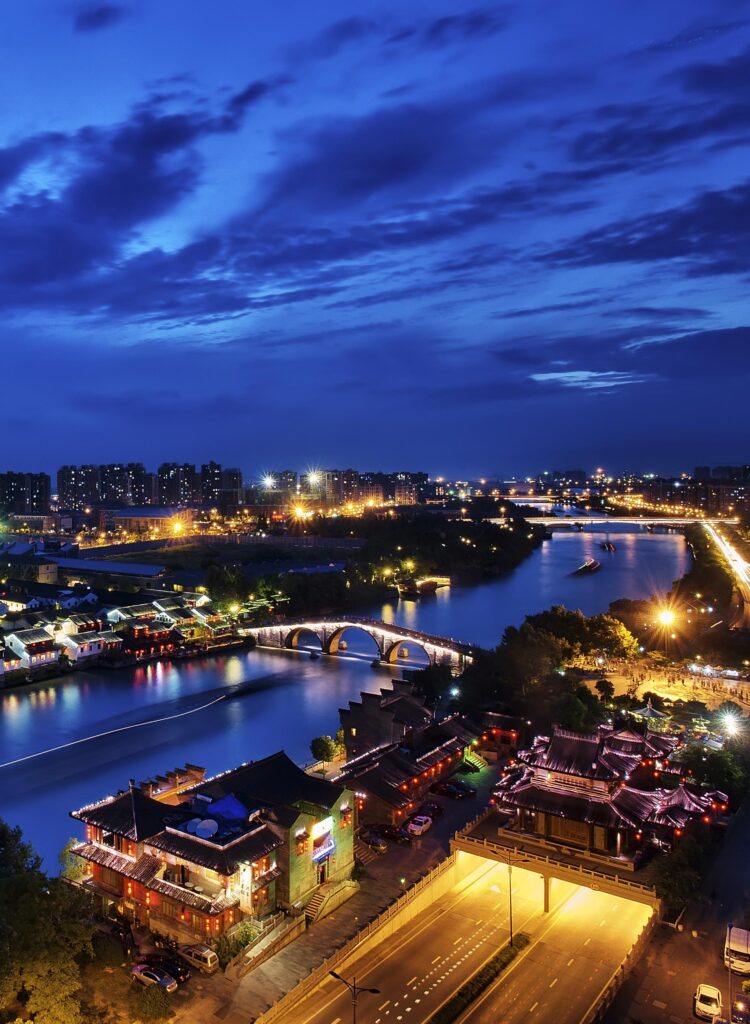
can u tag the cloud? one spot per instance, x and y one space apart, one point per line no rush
95 17
707 235
480 23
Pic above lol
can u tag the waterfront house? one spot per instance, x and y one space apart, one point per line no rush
35 647
190 856
378 719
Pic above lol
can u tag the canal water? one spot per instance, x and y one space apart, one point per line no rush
218 712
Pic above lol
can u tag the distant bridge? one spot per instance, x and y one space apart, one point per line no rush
574 520
389 638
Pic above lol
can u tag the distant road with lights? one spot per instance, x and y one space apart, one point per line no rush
741 572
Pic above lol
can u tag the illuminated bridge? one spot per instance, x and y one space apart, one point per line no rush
584 520
389 638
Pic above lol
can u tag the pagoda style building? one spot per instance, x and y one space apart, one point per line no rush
602 792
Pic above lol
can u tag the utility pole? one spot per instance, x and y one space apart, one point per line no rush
355 991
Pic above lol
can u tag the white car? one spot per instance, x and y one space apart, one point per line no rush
419 824
148 975
707 1002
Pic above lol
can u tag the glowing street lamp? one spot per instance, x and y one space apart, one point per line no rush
730 723
355 992
269 481
666 617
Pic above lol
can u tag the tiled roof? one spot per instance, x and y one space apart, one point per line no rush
131 814
223 859
272 781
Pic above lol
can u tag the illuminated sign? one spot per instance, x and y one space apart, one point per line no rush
321 828
322 838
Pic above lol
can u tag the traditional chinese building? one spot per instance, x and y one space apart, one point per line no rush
190 856
602 792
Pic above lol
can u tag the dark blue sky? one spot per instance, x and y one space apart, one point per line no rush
461 238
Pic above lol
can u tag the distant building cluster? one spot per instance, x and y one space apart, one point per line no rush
92 488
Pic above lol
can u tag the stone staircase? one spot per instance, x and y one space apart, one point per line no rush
314 905
364 853
475 759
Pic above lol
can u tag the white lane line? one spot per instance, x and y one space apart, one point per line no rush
570 961
532 1008
411 980
436 959
553 983
384 1005
587 941
457 941
337 1021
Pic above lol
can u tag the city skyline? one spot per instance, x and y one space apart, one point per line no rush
466 238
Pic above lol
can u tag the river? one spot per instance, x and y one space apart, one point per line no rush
290 698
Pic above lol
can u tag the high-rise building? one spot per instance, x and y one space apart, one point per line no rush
77 486
178 484
211 483
24 493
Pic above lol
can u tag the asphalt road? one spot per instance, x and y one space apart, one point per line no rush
428 960
571 960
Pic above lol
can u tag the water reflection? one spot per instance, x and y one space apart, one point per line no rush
290 697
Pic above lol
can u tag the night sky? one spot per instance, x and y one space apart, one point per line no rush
468 239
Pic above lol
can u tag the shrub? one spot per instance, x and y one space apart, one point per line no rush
484 977
150 1002
228 946
108 950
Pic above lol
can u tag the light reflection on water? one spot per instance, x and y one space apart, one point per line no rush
290 697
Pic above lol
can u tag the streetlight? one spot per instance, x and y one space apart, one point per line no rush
355 991
666 617
508 857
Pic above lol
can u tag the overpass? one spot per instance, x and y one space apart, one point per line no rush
487 838
389 638
584 520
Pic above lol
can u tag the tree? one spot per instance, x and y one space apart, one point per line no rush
43 936
606 689
71 867
677 876
323 748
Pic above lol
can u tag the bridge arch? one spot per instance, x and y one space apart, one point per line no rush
300 636
333 644
393 653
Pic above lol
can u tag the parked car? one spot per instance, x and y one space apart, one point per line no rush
740 1011
374 842
419 824
430 809
392 832
445 788
170 964
463 786
707 1002
201 957
148 975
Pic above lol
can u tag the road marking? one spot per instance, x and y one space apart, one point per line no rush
384 1005
570 961
337 1021
532 1008
436 959
411 980
553 983
457 941
587 941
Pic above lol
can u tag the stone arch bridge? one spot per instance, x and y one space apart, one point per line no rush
388 637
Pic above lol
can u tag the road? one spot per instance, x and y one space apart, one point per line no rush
570 962
740 571
428 960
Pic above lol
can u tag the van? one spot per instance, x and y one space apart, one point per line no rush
737 950
200 957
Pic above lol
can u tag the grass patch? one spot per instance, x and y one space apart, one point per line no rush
484 977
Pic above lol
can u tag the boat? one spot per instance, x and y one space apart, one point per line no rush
607 545
589 566
413 589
